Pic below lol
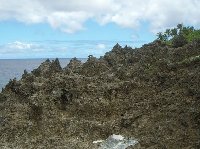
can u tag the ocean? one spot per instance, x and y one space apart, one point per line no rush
14 68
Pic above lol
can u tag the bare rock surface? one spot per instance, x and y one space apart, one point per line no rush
150 93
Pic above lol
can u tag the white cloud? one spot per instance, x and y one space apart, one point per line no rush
19 45
68 22
101 46
69 15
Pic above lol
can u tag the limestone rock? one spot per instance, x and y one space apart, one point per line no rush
151 93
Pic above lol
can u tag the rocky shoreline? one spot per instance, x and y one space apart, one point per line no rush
150 93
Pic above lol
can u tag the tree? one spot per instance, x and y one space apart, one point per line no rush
174 32
168 32
180 27
179 36
160 36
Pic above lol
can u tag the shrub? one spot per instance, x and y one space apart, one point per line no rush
179 41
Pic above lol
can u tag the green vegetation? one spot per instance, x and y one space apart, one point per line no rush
179 36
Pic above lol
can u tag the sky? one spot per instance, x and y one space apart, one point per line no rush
78 28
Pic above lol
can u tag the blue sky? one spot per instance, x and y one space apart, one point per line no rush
77 28
42 41
16 31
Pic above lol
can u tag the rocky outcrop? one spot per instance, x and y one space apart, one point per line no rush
47 68
73 66
150 93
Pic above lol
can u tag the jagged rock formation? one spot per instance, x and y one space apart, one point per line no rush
151 93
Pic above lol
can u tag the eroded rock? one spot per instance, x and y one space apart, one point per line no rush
151 93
